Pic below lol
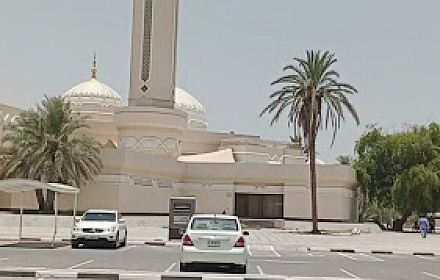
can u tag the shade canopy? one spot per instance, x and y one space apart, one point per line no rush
23 185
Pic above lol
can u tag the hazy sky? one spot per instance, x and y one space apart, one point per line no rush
229 51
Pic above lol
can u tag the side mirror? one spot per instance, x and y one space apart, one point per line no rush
246 233
77 219
122 221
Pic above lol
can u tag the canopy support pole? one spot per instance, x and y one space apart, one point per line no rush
56 216
75 206
20 230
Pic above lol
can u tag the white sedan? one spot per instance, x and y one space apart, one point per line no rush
214 240
100 226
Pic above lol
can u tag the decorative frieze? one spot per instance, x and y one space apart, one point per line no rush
150 143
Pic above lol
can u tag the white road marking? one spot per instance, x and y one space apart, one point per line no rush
260 270
347 256
371 257
249 251
279 261
348 273
275 252
4 259
431 275
170 267
426 258
80 264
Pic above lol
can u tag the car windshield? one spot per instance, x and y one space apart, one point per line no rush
107 217
214 224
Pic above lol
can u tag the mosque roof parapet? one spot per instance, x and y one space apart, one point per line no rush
259 143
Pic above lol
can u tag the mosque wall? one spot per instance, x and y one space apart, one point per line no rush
145 199
5 200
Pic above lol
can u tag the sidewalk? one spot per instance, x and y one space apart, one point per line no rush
153 230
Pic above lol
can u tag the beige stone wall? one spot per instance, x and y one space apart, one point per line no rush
5 200
334 203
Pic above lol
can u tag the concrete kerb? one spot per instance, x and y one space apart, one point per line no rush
87 274
377 252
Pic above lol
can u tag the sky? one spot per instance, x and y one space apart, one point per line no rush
229 52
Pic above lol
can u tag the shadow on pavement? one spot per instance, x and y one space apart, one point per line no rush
34 245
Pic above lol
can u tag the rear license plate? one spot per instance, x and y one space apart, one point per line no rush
214 243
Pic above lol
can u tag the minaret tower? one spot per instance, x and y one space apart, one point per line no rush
150 123
153 57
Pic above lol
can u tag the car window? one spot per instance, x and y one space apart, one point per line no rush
107 217
214 224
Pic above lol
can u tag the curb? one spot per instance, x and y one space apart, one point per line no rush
377 252
132 275
423 254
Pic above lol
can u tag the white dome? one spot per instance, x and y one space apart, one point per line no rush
93 93
196 112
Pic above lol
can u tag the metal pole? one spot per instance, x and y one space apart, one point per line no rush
75 203
20 230
56 216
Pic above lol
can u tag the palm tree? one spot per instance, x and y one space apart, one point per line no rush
40 146
313 99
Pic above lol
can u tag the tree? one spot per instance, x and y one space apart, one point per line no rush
382 158
345 160
417 189
313 99
400 171
40 145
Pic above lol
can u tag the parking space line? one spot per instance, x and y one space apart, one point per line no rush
4 259
348 273
431 275
425 258
371 257
280 261
249 251
260 270
347 256
275 252
170 267
80 264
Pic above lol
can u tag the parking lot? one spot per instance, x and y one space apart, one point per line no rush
263 260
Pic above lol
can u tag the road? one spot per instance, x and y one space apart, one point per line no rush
267 259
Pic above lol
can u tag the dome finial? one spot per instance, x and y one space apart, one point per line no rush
94 68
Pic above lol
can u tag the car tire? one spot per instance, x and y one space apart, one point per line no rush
124 243
183 267
115 244
74 244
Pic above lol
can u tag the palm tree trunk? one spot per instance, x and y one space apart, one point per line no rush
312 167
40 199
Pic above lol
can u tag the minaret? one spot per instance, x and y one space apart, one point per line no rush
153 57
150 123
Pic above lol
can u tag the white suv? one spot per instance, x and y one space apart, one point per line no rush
214 240
100 226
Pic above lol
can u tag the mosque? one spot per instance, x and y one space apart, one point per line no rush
158 146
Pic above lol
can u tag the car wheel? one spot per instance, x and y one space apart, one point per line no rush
115 244
183 267
124 242
74 244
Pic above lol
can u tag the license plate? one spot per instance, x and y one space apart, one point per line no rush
214 243
91 237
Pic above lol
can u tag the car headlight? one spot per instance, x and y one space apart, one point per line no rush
112 229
